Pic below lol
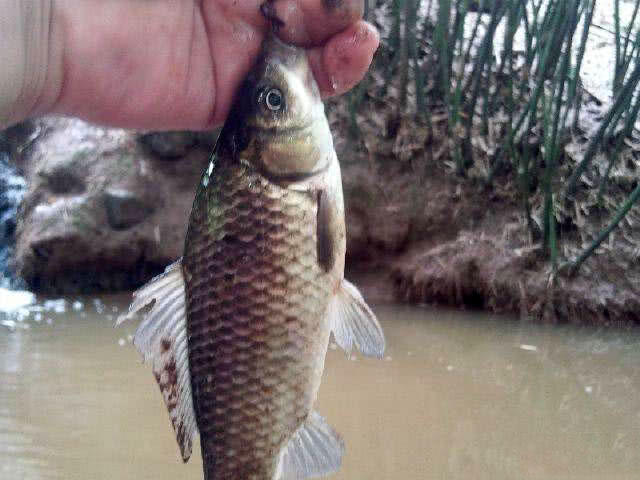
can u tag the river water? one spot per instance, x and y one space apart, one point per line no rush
458 396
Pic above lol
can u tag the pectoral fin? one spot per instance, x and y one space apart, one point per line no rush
327 234
353 322
315 449
162 338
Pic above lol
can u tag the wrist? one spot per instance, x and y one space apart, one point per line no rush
31 59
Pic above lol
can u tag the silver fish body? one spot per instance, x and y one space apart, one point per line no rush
240 326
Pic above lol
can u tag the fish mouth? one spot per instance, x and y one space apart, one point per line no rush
286 178
291 131
294 177
290 154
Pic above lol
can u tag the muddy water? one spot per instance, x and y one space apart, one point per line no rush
459 396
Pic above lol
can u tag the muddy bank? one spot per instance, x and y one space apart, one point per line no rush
487 273
466 246
458 243
455 240
107 209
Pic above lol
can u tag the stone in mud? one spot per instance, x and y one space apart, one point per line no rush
63 180
169 144
12 187
103 211
124 209
119 221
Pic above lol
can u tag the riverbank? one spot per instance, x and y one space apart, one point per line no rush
475 182
439 238
106 208
468 247
105 211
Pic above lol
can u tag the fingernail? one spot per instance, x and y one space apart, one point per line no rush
334 83
331 4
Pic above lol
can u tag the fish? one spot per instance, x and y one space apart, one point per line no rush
237 329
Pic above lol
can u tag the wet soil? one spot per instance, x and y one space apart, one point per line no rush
419 233
468 247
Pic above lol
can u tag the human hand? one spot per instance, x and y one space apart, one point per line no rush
167 64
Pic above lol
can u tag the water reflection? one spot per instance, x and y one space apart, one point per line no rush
459 396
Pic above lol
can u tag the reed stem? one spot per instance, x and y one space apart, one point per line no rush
602 236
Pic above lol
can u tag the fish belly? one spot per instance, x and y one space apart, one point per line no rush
256 319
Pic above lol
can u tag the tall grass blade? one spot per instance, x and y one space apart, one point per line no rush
618 65
573 98
481 63
621 100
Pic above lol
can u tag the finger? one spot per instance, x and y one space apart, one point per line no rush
135 64
340 64
312 22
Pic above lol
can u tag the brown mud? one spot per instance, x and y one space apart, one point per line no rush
466 246
419 233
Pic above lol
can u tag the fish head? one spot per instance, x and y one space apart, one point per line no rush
277 122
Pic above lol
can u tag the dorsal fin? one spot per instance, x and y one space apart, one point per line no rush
162 338
353 322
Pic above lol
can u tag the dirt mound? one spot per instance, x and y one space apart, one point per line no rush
484 272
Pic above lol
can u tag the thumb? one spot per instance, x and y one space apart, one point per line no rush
310 23
342 62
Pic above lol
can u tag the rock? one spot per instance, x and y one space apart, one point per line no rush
104 212
101 212
124 209
12 188
62 179
19 136
208 139
169 144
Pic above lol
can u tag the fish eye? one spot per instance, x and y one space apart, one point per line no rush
273 99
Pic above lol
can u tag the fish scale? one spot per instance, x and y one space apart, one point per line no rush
255 299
